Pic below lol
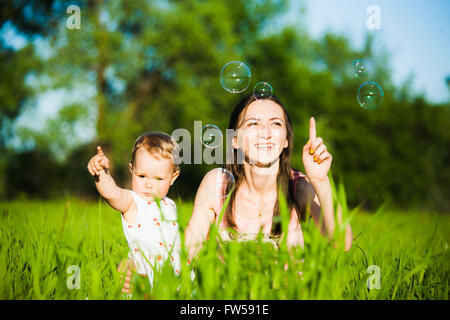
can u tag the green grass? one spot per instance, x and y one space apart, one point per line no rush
40 240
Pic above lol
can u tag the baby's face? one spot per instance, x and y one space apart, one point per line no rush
151 177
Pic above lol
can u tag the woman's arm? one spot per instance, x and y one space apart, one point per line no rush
295 233
317 197
203 215
322 202
317 161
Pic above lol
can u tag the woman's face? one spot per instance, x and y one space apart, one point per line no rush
261 134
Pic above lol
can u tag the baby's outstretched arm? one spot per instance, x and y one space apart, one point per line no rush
118 198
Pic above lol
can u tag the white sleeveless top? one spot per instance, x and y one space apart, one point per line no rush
155 236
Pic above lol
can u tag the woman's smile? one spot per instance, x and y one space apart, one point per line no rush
265 146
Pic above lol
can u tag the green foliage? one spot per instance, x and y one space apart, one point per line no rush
13 91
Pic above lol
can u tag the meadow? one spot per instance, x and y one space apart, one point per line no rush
70 249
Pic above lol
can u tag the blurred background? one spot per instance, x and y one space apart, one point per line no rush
136 66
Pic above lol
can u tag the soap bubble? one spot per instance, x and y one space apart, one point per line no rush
224 183
211 136
262 90
361 68
235 77
370 95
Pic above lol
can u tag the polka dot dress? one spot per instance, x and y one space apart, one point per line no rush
154 238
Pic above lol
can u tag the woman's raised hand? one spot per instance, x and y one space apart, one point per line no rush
316 158
98 162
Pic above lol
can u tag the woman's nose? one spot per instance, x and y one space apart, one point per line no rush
264 131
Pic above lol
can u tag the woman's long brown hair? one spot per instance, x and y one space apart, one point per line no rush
284 171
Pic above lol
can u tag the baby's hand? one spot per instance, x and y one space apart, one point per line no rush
98 162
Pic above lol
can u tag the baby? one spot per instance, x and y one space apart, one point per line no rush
151 230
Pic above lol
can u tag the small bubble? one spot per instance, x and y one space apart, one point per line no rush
235 77
370 95
361 68
211 136
262 90
225 182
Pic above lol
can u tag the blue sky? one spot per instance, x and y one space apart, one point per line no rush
416 33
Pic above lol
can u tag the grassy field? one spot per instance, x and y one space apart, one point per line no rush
399 255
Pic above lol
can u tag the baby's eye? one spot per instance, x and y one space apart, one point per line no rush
158 179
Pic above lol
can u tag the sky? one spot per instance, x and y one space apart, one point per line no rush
416 34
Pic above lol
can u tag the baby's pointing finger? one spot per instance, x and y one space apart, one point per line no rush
100 151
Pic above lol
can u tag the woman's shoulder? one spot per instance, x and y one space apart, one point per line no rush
209 187
300 182
218 177
296 175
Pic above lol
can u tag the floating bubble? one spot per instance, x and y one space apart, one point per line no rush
370 95
211 136
361 68
235 77
224 183
262 90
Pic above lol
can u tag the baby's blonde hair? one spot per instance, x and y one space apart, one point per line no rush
158 144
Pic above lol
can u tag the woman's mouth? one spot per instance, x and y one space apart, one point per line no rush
264 146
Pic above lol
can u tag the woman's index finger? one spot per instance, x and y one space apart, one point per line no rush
312 129
99 151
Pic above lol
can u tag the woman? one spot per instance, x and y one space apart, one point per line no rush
264 140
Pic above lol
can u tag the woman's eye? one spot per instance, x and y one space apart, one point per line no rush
277 124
